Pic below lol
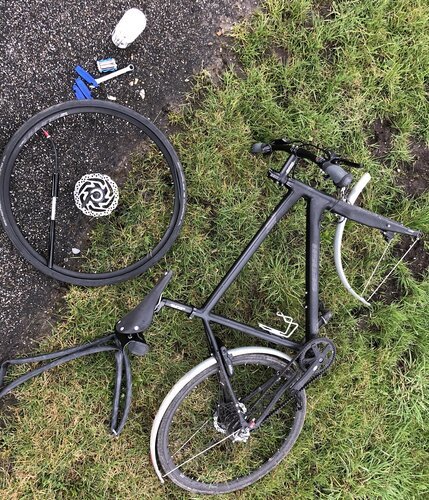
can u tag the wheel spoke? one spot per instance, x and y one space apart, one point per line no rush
201 452
189 447
193 435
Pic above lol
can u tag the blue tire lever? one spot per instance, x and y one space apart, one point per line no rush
77 92
86 76
84 90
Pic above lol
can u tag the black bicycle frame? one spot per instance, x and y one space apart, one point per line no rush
317 204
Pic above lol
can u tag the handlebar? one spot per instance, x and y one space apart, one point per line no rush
337 174
328 163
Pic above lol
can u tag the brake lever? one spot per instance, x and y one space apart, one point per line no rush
334 158
349 163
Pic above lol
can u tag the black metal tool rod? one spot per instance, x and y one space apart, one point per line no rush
54 196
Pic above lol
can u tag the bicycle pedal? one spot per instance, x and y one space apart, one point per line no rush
138 348
135 343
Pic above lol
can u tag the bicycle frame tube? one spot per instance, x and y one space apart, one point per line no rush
315 209
352 212
314 212
280 211
317 204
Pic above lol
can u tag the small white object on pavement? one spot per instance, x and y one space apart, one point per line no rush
132 23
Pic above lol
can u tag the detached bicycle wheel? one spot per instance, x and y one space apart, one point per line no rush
196 445
91 192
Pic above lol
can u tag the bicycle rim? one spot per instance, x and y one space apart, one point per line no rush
198 452
121 196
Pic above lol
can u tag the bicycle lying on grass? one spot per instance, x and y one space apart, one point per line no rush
236 415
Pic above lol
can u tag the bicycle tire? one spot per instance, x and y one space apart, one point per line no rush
181 476
112 110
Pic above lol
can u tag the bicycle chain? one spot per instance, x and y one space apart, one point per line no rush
307 346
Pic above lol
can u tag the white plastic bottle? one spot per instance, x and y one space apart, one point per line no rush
132 23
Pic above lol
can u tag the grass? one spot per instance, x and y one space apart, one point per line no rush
313 70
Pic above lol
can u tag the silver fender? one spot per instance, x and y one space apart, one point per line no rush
352 197
184 380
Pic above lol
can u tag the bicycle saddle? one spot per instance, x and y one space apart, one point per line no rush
139 319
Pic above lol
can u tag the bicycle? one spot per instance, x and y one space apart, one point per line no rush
240 411
244 407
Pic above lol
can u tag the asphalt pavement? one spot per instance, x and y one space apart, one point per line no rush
41 41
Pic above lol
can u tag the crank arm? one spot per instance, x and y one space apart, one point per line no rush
316 369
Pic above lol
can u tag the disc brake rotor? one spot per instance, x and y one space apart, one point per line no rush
96 195
225 419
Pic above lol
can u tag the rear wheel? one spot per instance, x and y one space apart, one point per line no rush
74 161
196 444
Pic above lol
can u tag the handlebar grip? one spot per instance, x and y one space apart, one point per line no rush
337 174
261 148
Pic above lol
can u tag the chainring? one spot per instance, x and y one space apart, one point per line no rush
321 350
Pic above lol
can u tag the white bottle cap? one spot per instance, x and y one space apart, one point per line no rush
132 23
